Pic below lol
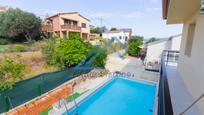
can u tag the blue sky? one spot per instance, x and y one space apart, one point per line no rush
143 16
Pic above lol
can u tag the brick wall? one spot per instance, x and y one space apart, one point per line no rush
39 105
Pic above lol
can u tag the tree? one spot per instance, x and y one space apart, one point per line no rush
71 51
18 25
93 30
133 46
151 40
138 37
113 29
98 30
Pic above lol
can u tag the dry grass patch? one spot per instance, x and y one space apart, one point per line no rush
34 62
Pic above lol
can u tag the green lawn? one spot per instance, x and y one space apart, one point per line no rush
3 48
75 95
70 98
46 111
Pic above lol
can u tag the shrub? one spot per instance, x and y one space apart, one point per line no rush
10 72
70 52
20 48
3 41
48 50
115 46
99 57
133 46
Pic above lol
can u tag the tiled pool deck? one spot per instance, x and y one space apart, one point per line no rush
180 97
115 63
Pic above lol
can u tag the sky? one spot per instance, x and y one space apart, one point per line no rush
143 16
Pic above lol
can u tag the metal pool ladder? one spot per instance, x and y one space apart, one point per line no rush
75 103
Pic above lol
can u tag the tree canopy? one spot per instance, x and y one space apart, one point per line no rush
18 25
151 40
133 46
113 29
71 51
98 30
138 37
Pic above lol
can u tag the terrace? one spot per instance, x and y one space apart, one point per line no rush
174 97
49 28
71 27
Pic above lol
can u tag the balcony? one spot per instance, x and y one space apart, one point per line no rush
46 28
71 27
173 95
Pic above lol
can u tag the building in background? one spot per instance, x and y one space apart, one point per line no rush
186 77
64 24
95 38
154 50
202 6
3 8
123 35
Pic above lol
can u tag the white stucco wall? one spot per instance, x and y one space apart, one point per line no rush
116 35
191 68
154 51
78 18
175 43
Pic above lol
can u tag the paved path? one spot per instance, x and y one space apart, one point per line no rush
130 64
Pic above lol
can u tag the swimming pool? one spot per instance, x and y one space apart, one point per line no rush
119 96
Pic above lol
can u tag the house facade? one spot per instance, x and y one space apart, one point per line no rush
64 24
154 50
190 66
3 8
123 35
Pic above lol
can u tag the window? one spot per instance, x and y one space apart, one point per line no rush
189 41
120 37
67 22
75 23
83 25
70 22
202 6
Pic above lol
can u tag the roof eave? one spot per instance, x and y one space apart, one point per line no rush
68 13
164 9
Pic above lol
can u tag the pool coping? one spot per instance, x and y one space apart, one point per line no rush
71 105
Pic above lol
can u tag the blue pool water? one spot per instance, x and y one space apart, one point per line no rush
119 97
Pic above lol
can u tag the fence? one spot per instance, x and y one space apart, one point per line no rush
170 56
31 88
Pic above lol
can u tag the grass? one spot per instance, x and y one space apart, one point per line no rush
46 111
75 96
3 48
70 98
27 47
34 62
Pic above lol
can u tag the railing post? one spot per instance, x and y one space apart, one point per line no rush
8 103
167 60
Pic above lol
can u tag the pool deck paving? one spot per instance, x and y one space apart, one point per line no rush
132 65
114 63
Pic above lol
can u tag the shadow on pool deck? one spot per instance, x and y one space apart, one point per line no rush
132 65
